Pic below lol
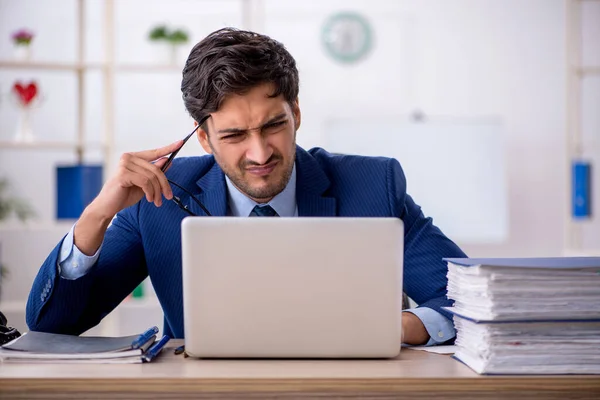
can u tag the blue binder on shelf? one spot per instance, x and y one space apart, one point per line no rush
76 187
581 189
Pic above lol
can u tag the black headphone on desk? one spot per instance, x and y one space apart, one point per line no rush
7 333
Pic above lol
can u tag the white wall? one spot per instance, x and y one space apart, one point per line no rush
458 58
461 58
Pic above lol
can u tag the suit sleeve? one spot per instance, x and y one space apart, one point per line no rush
60 305
425 245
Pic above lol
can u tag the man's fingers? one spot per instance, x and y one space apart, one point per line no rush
151 155
155 169
160 164
140 171
144 179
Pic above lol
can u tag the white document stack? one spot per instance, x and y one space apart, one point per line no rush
527 316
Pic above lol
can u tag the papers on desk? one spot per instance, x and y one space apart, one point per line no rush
446 349
40 347
527 316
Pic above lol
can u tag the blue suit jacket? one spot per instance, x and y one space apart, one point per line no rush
146 241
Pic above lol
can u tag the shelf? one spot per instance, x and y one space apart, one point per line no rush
48 65
58 66
581 253
11 144
147 302
148 68
588 70
13 307
36 226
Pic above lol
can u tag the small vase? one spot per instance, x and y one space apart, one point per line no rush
24 132
174 53
22 52
166 54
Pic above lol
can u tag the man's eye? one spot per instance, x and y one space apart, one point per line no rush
234 136
275 126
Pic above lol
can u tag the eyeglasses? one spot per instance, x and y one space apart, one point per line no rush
176 199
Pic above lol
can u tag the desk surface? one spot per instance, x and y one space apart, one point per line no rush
414 373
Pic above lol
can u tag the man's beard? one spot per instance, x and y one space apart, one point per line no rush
264 192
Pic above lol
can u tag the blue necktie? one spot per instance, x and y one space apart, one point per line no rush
263 211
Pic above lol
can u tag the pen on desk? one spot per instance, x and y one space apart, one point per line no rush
144 337
155 349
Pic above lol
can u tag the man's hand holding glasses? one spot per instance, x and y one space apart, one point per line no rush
139 174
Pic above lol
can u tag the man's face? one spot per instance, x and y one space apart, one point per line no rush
253 139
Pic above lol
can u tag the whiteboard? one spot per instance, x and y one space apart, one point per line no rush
455 170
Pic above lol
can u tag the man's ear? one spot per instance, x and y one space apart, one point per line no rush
203 138
297 114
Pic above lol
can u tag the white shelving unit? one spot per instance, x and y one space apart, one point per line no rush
575 149
79 68
108 69
111 325
131 312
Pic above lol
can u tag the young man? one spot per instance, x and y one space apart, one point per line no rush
243 89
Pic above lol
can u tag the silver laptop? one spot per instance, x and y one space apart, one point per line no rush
292 287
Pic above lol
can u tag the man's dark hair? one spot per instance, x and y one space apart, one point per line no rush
232 61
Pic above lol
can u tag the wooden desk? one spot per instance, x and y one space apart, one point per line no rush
415 375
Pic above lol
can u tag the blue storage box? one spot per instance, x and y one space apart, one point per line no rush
76 187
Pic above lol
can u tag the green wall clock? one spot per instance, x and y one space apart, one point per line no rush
347 37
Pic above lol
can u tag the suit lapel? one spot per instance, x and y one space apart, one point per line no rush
213 194
311 185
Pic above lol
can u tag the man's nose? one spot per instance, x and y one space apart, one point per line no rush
260 150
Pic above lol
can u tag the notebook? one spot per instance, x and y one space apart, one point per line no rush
44 347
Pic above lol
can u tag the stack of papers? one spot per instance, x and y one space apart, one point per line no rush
40 347
527 316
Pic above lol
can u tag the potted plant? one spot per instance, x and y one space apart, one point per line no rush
22 41
9 206
169 40
178 37
158 33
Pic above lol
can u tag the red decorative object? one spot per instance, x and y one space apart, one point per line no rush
27 98
25 93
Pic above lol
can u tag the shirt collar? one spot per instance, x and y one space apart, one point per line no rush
284 203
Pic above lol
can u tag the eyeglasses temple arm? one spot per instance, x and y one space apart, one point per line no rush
208 214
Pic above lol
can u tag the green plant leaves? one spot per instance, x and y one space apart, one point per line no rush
161 32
